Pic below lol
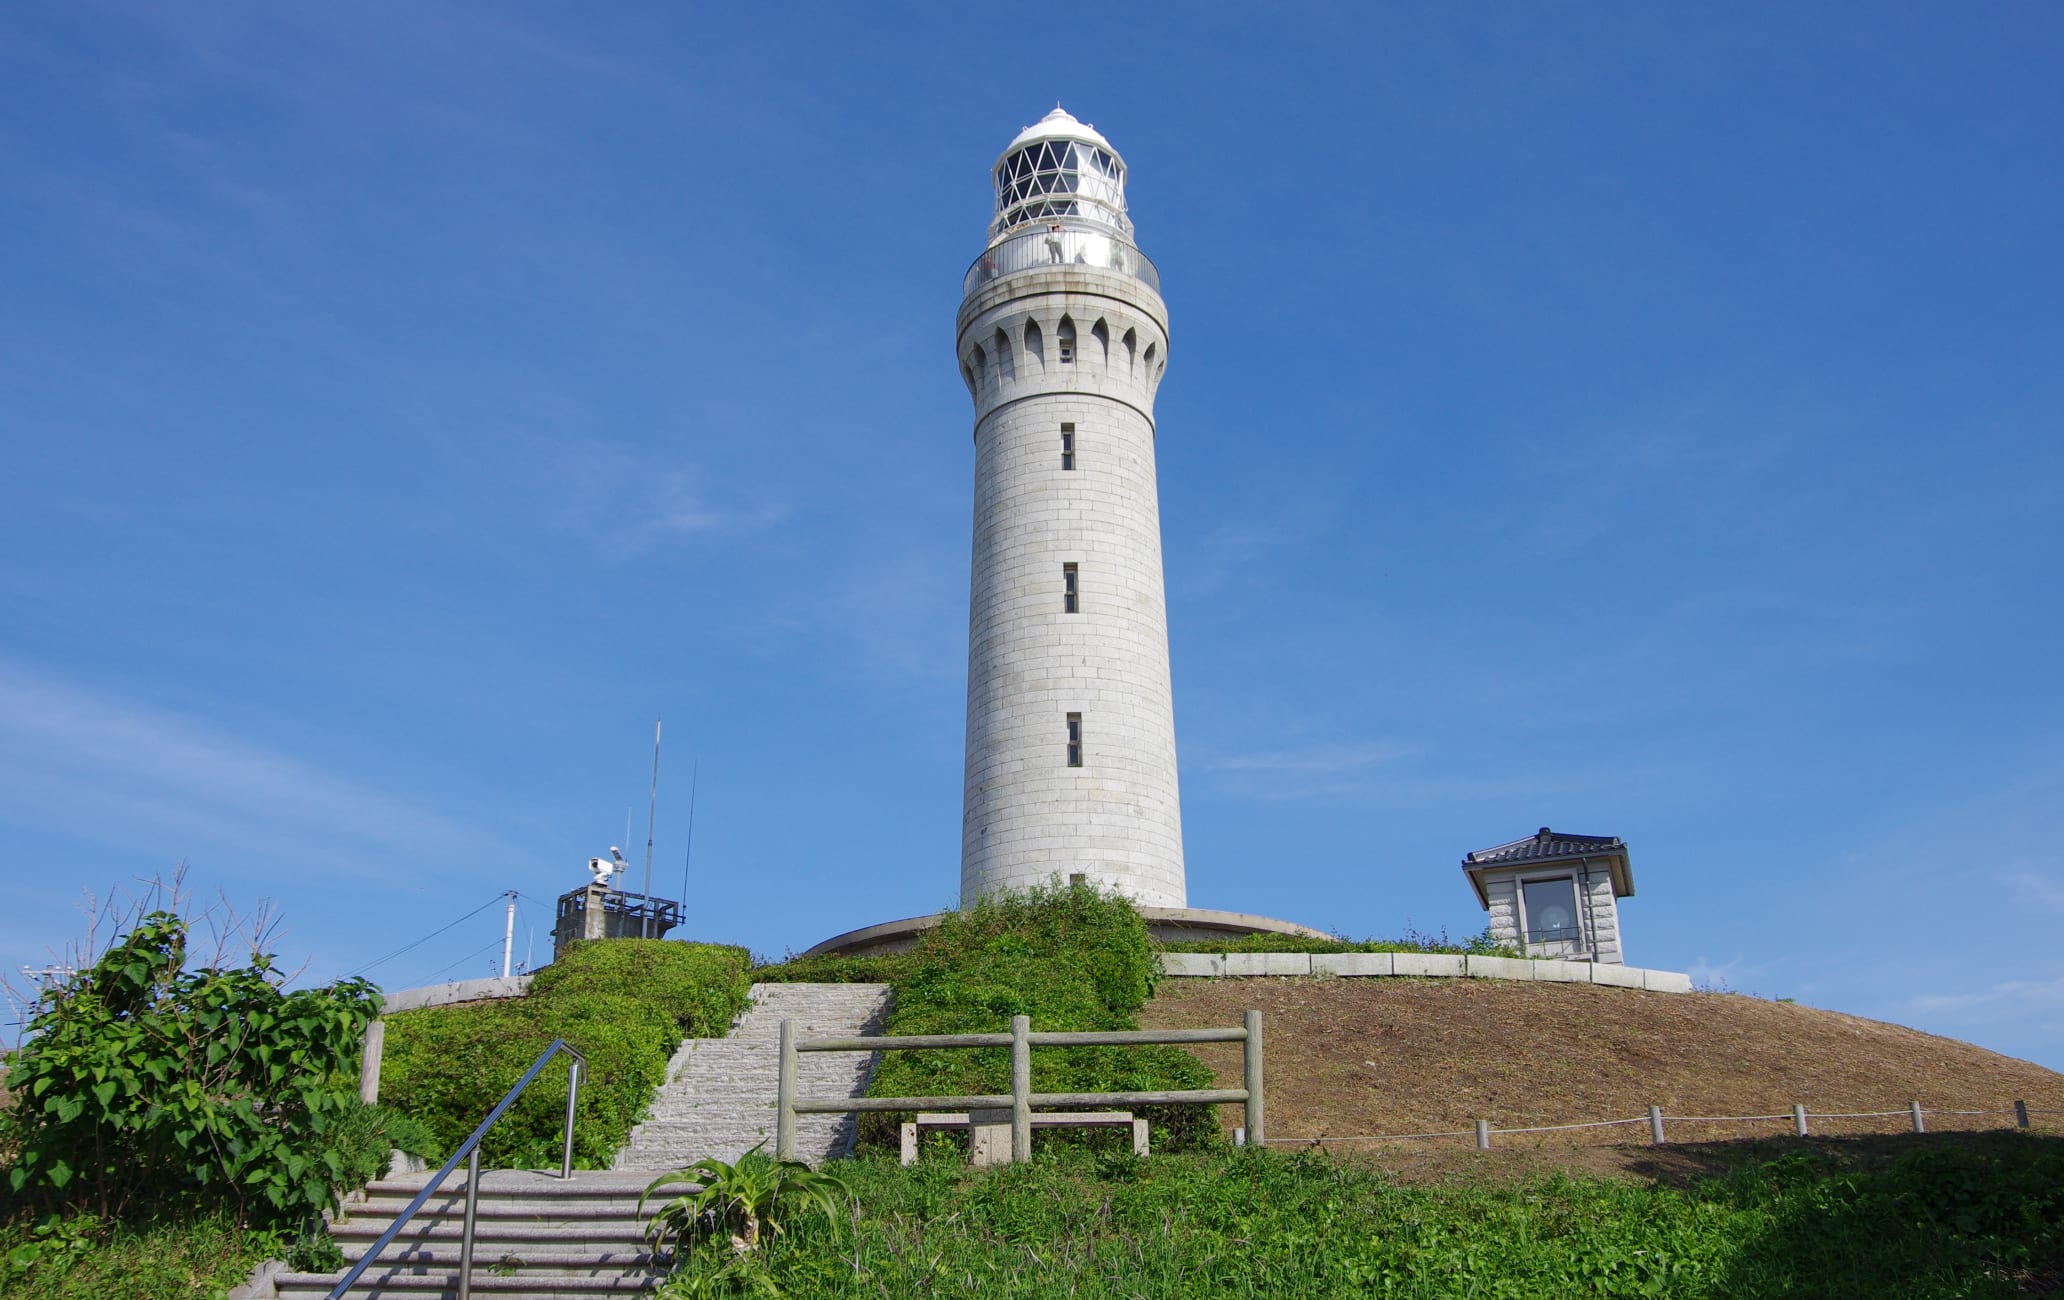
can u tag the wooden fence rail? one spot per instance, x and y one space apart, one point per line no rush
1020 1100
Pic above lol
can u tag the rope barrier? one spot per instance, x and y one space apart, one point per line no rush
1641 1119
1556 1128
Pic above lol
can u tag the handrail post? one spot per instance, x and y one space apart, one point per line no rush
1251 1058
784 1096
573 1078
466 1234
1021 1090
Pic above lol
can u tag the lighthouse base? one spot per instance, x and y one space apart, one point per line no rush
1171 925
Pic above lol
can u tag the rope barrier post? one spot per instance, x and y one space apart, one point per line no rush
2020 1114
1483 1135
1799 1119
1655 1125
1251 1058
784 1096
1021 1090
1914 1109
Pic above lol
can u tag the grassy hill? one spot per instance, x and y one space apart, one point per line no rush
1351 1057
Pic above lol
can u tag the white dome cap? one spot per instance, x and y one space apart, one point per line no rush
1057 125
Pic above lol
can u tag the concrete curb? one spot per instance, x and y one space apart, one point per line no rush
1419 965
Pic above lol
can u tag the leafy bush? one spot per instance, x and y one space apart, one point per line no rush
624 1003
1070 957
145 1085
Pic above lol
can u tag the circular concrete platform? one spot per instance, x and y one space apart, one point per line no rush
1166 924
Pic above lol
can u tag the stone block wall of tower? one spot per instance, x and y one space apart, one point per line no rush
1030 815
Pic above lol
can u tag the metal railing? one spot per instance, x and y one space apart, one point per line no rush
1020 1099
1044 249
469 1151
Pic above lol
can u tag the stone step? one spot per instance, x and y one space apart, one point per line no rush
443 1284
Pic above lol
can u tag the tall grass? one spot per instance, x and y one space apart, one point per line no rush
1949 1217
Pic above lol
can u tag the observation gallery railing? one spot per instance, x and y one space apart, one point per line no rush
1020 1100
1056 249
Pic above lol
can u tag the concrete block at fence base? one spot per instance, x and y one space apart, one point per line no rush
1563 972
1500 968
1619 977
1428 963
1353 963
990 1138
1666 981
1193 963
1268 963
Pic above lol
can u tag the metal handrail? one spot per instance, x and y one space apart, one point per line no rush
469 1151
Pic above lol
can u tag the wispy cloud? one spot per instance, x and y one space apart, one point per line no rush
2036 889
2008 997
629 504
114 771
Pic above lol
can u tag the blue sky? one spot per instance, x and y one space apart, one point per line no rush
1635 419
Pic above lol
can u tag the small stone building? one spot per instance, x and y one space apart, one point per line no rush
1555 895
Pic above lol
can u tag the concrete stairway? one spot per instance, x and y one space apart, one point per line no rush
535 1237
719 1096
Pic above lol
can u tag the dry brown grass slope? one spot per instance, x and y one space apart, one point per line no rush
1393 1056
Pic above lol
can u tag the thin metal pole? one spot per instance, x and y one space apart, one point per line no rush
1483 1135
1799 1119
1914 1109
1021 1090
1655 1125
784 1096
573 1078
651 812
466 1235
509 935
1250 1055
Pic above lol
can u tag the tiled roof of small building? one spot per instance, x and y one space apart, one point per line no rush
1544 843
1547 845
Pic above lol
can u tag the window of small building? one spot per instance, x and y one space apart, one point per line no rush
1551 912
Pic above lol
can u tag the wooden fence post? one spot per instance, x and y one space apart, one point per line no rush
1914 1109
1655 1125
784 1096
1021 1090
1483 1135
2020 1114
1799 1119
1251 1057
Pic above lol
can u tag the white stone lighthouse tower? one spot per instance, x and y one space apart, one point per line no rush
1062 338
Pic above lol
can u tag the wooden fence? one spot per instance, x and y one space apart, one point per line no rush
1020 1100
1798 1117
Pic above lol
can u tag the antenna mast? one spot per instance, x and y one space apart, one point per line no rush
651 812
693 773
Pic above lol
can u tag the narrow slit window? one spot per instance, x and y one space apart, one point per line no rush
1071 593
1074 740
1067 446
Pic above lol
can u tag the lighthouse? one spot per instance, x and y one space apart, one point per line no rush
1062 340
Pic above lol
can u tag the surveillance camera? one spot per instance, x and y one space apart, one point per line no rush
616 853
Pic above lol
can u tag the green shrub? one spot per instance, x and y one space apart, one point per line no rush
1481 945
624 1003
145 1086
1071 958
